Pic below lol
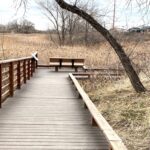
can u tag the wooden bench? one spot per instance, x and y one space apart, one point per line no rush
66 62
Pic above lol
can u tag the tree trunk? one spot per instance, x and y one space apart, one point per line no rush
135 81
63 28
86 33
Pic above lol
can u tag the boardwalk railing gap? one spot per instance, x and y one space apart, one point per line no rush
98 120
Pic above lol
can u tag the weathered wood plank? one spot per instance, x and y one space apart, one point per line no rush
114 140
47 114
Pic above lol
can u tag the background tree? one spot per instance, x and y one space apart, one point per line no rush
26 26
13 26
57 18
66 25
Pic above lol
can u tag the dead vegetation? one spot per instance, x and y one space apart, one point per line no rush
97 56
127 111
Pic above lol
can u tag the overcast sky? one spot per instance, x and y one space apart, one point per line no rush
125 17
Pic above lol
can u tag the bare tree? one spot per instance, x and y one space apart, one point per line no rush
72 23
141 3
57 17
13 26
136 83
26 26
65 23
144 5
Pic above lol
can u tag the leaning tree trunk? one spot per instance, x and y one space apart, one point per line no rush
135 81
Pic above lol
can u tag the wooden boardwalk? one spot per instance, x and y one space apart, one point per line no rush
47 114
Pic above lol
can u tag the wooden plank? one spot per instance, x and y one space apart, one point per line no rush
14 60
99 119
4 73
5 95
18 76
15 86
5 81
57 59
24 71
83 75
47 114
43 66
53 147
5 87
66 62
0 85
11 79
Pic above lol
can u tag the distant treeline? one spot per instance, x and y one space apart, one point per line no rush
23 26
74 31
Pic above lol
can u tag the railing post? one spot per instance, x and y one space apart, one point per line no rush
94 122
18 76
24 71
85 106
11 78
29 72
0 85
110 147
32 64
36 61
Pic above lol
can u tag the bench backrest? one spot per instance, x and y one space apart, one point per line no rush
65 60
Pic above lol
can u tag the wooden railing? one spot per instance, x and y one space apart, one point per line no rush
13 74
115 143
106 71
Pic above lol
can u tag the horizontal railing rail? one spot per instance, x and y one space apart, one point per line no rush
13 74
115 143
105 70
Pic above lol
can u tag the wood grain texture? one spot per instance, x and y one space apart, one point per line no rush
13 73
0 85
98 120
46 114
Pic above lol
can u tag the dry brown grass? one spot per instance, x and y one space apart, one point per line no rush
102 55
126 111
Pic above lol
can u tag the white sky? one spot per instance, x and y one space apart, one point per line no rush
126 17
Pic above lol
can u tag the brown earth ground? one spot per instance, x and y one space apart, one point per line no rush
127 111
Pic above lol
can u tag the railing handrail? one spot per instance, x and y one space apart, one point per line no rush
14 60
17 59
111 136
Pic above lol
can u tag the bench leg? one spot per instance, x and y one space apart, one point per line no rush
76 69
56 69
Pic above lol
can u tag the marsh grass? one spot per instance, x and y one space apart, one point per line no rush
127 111
97 56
